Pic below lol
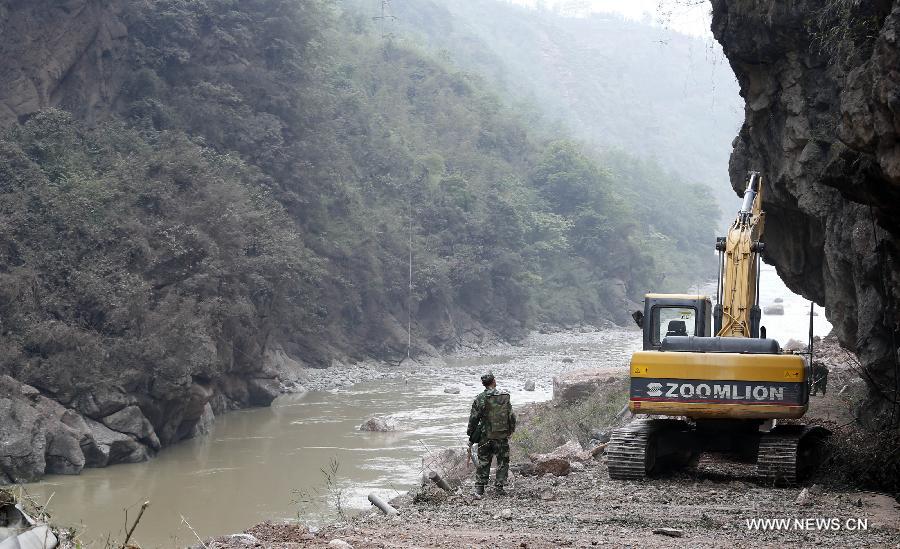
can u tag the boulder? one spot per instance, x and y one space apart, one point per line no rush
377 424
529 385
601 435
102 400
559 461
545 464
235 389
451 390
37 435
339 544
570 451
776 310
64 432
64 455
205 423
130 420
114 447
22 442
804 498
200 395
244 539
262 391
575 386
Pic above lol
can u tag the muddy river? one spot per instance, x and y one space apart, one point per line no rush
257 463
267 463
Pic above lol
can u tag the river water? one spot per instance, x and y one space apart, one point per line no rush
249 468
256 464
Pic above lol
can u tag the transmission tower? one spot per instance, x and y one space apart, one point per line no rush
385 20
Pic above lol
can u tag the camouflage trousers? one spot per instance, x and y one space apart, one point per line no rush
486 452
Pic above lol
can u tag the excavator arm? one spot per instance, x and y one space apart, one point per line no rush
737 313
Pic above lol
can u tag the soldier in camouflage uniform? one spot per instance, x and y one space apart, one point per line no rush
491 423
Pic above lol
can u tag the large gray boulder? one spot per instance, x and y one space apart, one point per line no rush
114 447
22 443
37 435
262 391
131 421
577 385
101 400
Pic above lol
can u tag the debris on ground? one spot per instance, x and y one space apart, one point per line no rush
671 532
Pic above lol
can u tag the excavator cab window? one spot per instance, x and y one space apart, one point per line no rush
673 321
673 315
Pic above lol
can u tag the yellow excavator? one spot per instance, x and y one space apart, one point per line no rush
721 394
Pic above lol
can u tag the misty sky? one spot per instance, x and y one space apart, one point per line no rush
687 16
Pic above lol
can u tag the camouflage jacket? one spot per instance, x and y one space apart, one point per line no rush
477 426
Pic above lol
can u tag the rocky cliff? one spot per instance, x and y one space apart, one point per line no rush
199 199
822 121
65 56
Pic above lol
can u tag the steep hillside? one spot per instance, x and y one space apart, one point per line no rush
821 120
614 83
199 195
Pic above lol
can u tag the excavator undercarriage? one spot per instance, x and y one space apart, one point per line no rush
784 456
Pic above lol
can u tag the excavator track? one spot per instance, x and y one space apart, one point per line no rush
789 453
776 462
648 446
627 451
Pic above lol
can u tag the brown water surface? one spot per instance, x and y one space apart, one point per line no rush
251 466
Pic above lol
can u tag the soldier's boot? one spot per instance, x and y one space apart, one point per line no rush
479 490
499 490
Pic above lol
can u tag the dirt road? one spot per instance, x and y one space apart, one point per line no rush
713 506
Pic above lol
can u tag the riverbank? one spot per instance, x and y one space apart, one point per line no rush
716 504
585 509
255 463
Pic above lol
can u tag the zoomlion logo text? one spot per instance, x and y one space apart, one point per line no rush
715 391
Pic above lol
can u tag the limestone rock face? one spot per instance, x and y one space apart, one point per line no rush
822 123
65 58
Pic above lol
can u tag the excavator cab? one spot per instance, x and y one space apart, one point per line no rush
667 315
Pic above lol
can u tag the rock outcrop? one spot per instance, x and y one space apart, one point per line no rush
39 435
66 57
822 122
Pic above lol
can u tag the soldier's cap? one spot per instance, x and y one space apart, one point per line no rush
487 379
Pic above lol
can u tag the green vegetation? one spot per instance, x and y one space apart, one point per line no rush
266 166
614 83
544 427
